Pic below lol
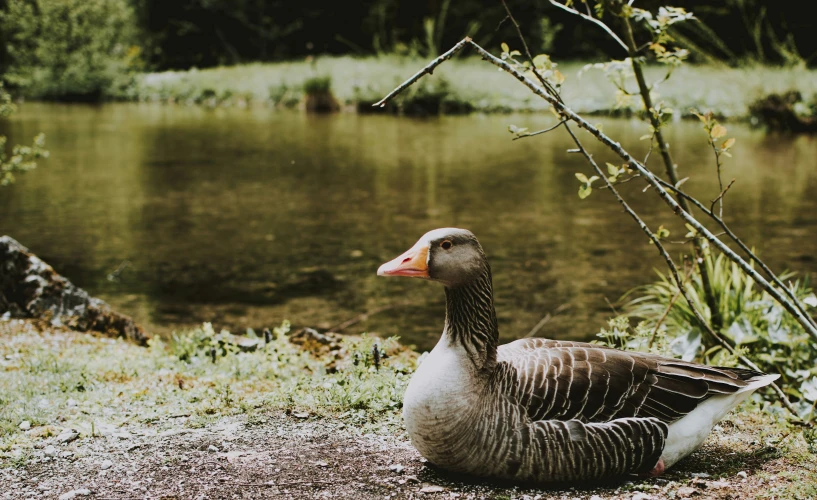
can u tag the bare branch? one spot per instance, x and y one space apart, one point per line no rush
592 20
427 70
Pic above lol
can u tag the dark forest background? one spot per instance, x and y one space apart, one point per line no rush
179 34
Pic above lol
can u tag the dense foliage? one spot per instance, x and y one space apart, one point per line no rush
68 49
85 49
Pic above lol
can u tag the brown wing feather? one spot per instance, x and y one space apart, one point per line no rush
565 380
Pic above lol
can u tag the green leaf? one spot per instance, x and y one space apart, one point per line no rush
728 143
582 177
645 137
592 179
584 191
612 169
505 47
513 129
515 53
541 61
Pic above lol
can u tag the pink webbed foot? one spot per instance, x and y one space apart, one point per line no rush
656 471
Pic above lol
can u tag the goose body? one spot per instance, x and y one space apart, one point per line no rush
546 410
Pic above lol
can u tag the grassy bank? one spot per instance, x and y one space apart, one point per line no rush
84 413
465 84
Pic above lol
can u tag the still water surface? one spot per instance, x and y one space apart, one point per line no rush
247 217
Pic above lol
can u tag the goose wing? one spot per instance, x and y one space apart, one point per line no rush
559 380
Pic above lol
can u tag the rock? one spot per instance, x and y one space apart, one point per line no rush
717 484
396 468
50 451
212 448
595 497
31 288
67 436
321 463
82 492
106 464
700 474
685 492
742 474
25 425
431 488
300 414
66 454
641 496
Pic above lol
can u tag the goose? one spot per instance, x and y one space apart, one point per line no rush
538 410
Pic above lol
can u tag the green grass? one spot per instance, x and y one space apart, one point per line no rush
726 91
56 380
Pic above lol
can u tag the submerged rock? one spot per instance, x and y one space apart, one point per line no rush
30 288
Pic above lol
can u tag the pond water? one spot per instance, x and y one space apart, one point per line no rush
246 217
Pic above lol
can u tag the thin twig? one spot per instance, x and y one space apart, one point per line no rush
542 322
669 307
552 91
427 70
541 131
625 181
720 197
592 20
362 317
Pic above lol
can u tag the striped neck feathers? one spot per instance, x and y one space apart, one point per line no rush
470 320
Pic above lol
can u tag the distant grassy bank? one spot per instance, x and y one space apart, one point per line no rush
460 85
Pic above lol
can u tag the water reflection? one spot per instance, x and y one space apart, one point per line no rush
246 217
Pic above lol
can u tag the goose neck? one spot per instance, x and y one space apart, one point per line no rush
470 320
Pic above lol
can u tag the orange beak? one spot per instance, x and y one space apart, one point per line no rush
413 263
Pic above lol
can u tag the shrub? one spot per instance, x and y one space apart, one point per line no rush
69 49
754 323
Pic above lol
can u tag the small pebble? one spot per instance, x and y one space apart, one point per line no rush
25 425
396 468
641 496
432 489
66 454
686 492
212 448
67 436
742 474
106 464
82 492
50 451
321 464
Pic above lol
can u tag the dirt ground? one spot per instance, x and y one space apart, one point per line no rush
284 456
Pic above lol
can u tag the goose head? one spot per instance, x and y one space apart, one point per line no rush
450 256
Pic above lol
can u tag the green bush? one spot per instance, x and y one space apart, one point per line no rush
754 323
69 49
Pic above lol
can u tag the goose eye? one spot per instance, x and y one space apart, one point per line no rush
446 245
